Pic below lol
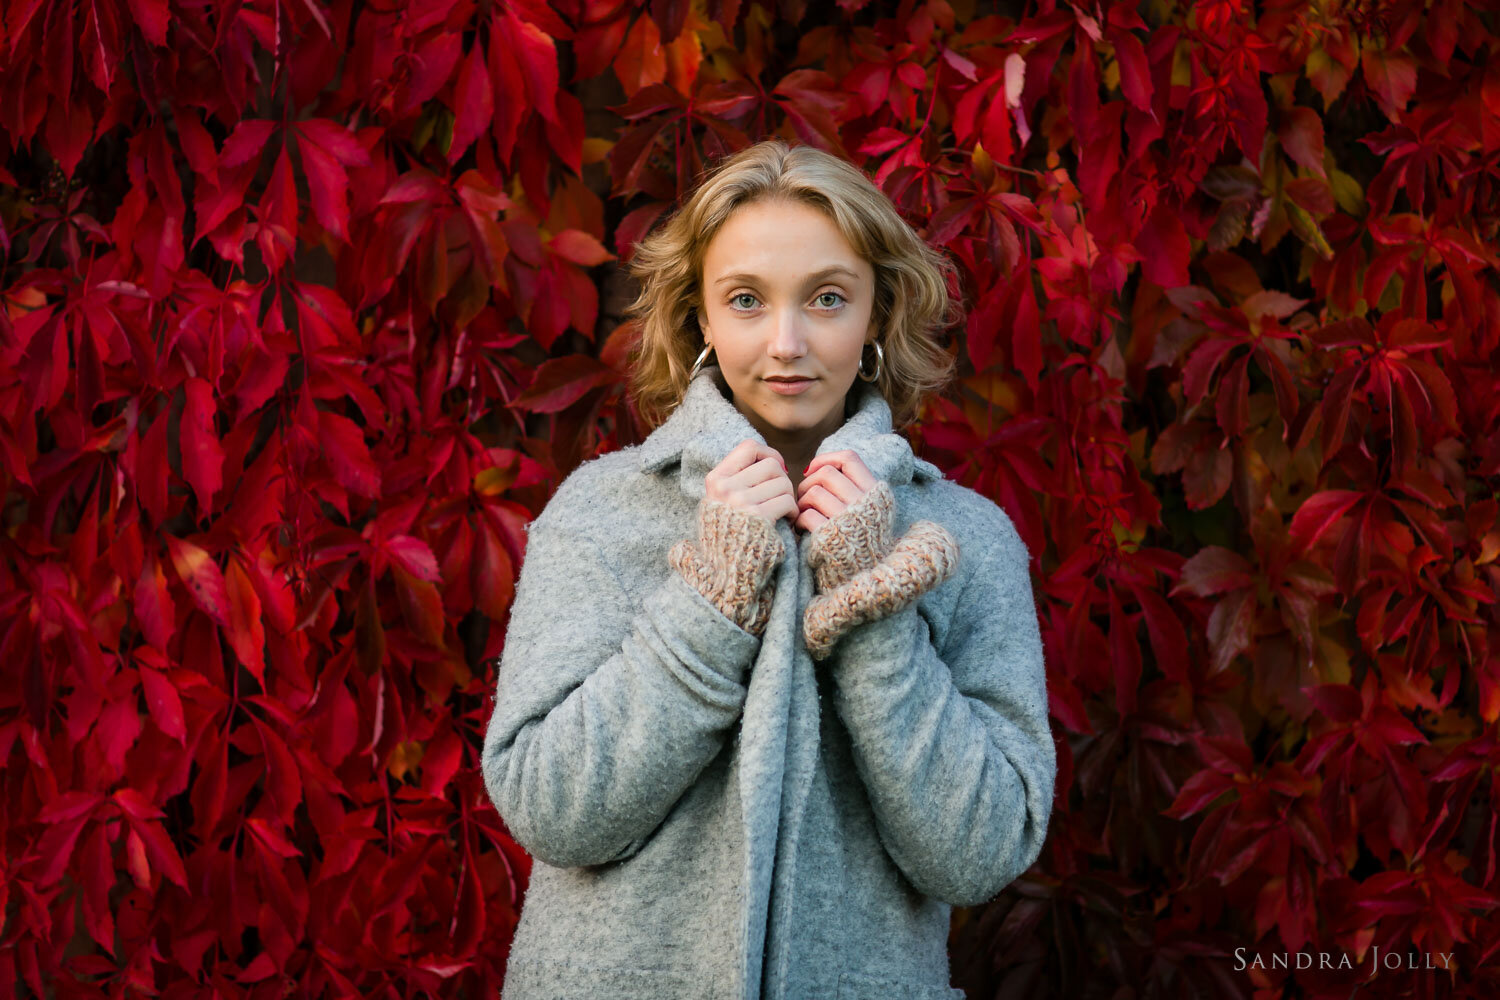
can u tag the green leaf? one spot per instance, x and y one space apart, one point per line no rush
1306 228
1347 192
445 130
423 131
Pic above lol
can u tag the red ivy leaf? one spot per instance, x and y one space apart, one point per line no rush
1135 70
160 849
277 210
1214 570
474 104
1301 135
421 606
494 574
204 581
1391 75
165 705
118 728
1318 513
151 17
202 457
580 248
326 149
468 922
1026 331
246 630
283 778
1169 640
272 838
441 761
1124 655
1197 792
344 446
561 382
1165 248
246 141
153 605
98 869
413 555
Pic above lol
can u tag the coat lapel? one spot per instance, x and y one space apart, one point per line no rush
779 729
706 426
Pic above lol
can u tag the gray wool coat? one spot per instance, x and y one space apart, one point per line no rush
715 815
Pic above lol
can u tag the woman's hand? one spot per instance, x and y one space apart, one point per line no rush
834 480
753 476
734 558
861 570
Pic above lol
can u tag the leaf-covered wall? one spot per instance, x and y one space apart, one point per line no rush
305 308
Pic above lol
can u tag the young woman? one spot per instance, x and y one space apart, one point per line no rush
772 696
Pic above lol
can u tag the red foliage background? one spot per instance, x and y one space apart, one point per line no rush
306 307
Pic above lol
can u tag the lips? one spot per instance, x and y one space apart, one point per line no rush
789 387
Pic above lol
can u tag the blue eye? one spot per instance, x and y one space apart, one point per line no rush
746 295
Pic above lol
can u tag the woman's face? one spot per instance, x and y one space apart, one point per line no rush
786 295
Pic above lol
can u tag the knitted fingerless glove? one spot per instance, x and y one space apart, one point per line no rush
862 575
732 562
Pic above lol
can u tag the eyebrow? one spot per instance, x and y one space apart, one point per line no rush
813 278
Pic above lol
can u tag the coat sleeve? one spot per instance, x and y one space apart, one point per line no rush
956 752
603 718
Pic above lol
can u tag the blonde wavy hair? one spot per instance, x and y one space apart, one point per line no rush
912 301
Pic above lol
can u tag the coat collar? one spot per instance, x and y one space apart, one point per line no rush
706 426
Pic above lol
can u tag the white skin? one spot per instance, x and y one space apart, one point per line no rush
767 312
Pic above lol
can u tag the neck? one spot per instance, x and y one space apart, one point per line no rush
799 446
797 449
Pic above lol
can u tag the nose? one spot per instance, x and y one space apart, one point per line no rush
787 338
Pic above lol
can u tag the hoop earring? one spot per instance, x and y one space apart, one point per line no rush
698 365
879 361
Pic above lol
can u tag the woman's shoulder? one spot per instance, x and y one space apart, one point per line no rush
604 491
978 523
626 516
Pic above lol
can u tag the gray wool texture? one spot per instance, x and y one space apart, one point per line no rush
714 815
